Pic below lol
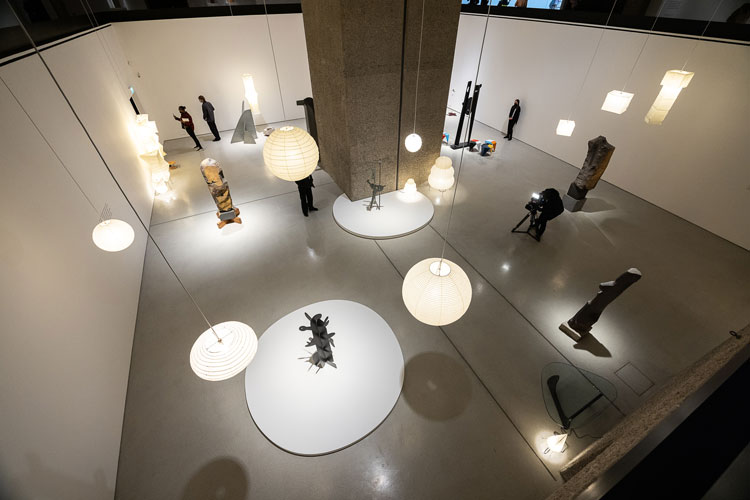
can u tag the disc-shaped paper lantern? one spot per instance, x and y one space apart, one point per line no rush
617 101
113 235
565 127
673 82
436 293
441 174
413 143
290 153
224 351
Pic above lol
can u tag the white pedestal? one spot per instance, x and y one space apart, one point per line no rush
307 411
401 214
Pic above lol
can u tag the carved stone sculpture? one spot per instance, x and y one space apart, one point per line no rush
245 129
580 325
321 339
597 159
219 189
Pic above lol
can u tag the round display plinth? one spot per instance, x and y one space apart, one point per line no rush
400 214
310 411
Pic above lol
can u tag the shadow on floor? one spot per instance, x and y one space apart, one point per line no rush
596 205
436 386
221 479
590 344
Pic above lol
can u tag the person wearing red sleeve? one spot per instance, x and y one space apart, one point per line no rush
187 123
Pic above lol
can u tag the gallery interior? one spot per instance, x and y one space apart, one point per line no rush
355 249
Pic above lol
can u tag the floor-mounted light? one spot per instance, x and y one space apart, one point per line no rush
436 291
617 101
250 93
113 235
441 174
223 351
565 127
556 443
290 153
673 82
410 187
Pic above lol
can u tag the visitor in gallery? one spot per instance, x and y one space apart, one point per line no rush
208 116
515 112
187 123
304 187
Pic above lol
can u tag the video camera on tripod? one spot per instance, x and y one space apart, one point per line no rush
542 207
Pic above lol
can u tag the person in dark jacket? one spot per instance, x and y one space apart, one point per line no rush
551 206
187 123
208 116
304 187
515 112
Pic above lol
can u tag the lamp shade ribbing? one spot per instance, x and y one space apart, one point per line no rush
436 292
290 153
224 351
441 174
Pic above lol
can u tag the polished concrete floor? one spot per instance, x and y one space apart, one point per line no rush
471 419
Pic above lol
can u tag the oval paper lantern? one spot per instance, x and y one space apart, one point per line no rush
290 153
441 174
113 235
214 359
436 293
413 143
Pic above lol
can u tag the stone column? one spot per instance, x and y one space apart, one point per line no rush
364 96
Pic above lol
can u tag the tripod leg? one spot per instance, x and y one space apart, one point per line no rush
519 224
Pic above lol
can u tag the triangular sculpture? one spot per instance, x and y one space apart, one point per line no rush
245 130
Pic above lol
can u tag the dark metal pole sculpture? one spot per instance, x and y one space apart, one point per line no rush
597 160
312 126
322 341
219 189
580 325
469 108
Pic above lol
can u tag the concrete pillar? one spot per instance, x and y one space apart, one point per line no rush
364 95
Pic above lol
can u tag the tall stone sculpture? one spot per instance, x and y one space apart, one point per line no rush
245 129
219 189
580 325
597 159
321 339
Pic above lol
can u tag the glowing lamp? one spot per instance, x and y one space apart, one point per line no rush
617 101
671 85
223 351
290 153
410 187
556 442
250 94
436 291
441 174
413 143
113 235
565 127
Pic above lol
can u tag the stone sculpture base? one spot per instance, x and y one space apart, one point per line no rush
567 330
571 204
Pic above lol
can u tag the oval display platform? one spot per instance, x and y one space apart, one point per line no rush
400 214
310 412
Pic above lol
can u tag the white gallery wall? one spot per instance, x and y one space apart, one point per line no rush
68 309
694 165
176 60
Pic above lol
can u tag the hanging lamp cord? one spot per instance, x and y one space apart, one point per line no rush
419 62
695 45
273 53
658 14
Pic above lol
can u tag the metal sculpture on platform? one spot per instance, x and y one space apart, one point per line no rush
219 189
322 341
597 159
580 325
376 190
245 129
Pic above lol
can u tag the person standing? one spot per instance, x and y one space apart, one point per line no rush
304 187
187 123
515 112
208 115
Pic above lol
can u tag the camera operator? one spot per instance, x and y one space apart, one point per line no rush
549 205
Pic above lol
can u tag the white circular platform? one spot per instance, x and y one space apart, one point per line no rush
307 411
400 214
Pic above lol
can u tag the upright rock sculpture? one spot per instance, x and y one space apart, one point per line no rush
597 159
219 189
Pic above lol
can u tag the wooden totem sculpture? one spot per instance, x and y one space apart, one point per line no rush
219 189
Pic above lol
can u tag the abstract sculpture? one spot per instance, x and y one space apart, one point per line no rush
245 129
580 325
376 190
322 341
597 159
219 189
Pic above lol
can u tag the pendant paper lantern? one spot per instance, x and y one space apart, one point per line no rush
436 293
410 187
224 351
617 101
441 174
671 85
113 235
413 143
556 442
290 153
250 93
565 127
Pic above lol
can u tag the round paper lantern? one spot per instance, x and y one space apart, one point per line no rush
441 174
436 293
224 351
290 153
413 143
113 235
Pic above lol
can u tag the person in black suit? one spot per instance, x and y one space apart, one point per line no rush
515 112
304 187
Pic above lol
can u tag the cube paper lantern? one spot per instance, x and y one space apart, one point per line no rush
565 127
617 101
